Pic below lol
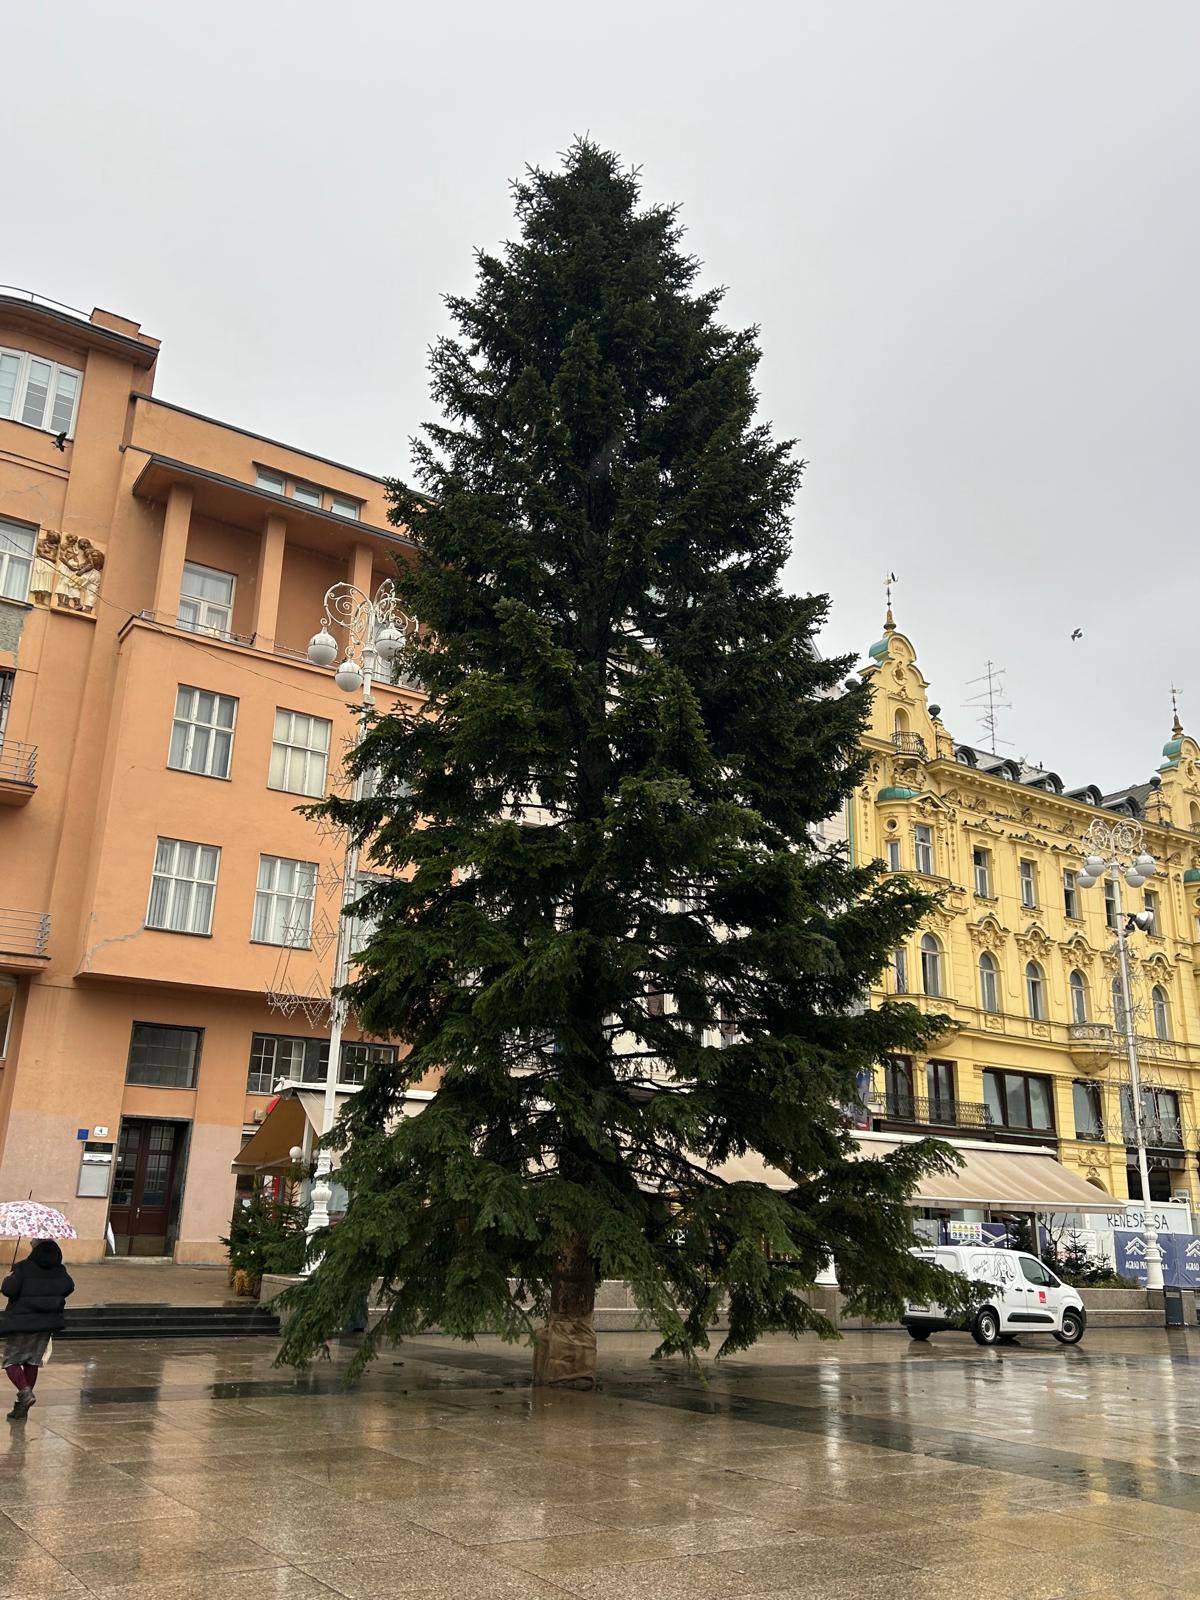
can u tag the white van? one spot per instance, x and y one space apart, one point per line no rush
1026 1297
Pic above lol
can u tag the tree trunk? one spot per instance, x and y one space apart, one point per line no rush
564 1356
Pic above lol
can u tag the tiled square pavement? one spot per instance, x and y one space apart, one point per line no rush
866 1470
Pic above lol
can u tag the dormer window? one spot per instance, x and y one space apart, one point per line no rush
306 493
266 479
40 393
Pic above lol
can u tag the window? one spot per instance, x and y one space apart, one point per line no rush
939 1083
1089 1122
1034 1272
893 855
931 965
266 479
299 753
274 1056
1079 997
1070 895
1161 1125
989 987
283 902
205 600
17 541
728 1029
7 681
898 1088
981 864
1035 991
900 969
1110 903
202 733
1162 1012
1150 897
1018 1100
307 494
164 1057
8 1004
363 925
344 507
1028 874
40 393
923 849
183 886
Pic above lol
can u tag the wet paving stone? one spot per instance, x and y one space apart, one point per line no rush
868 1470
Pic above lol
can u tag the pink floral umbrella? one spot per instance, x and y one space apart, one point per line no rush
25 1219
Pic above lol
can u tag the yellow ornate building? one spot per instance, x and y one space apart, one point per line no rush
1021 957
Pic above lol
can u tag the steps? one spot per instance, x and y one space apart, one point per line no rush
162 1321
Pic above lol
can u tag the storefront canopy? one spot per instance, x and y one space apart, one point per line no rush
282 1129
996 1177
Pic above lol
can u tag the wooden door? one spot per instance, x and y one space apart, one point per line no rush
144 1185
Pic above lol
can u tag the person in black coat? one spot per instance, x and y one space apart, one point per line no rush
37 1290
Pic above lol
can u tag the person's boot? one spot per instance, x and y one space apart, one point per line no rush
25 1398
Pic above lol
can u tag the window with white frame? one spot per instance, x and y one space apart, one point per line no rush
989 986
343 506
923 849
931 964
363 924
1151 902
183 886
1035 991
276 1056
307 493
981 867
1028 875
1110 904
202 732
1079 996
205 599
299 753
266 479
17 544
893 855
1070 894
900 969
42 394
1161 1007
283 902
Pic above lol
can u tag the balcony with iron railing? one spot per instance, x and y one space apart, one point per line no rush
24 940
909 744
18 772
942 1112
1160 1133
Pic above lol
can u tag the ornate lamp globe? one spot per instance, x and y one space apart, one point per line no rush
1134 879
1094 866
1086 881
348 676
389 642
322 649
1146 865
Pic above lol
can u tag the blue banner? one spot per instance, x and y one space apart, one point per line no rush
1180 1257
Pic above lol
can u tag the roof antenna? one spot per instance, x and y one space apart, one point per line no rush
988 700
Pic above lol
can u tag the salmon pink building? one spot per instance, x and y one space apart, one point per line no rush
161 897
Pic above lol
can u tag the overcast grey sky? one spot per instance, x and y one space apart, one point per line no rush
968 232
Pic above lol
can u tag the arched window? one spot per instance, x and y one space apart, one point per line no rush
931 965
900 721
1118 997
1035 991
1162 1012
1079 997
989 989
1195 814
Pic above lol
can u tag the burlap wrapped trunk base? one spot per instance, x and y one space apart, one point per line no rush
565 1353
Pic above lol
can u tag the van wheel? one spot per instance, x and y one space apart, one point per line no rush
1072 1328
986 1327
919 1333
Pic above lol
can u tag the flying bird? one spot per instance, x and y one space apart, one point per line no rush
60 440
1078 634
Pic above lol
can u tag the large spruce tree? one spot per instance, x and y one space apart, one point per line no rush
610 929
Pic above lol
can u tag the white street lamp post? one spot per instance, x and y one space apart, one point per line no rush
1116 852
376 631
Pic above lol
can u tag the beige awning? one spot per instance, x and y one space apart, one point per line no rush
997 1177
282 1129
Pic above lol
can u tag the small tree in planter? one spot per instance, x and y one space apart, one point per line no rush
265 1236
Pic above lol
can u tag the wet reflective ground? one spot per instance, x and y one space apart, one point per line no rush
873 1469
